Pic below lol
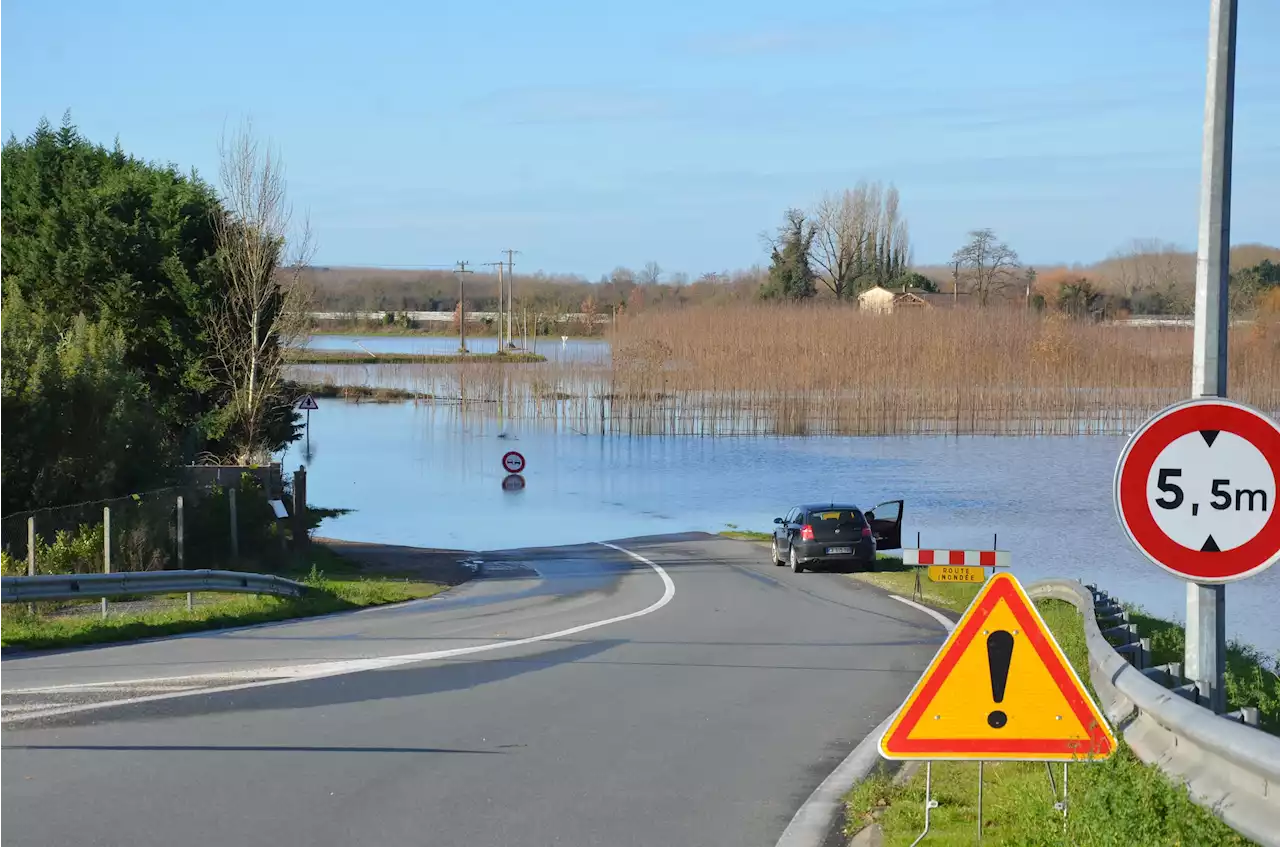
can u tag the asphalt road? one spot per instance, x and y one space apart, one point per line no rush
706 721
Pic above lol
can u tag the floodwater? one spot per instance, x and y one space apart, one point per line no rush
555 349
428 476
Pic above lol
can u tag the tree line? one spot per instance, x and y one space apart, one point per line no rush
144 312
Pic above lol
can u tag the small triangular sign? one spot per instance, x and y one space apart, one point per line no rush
308 403
999 688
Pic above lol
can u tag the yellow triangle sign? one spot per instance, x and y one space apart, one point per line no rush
999 688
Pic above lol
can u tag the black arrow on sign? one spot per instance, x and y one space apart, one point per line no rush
1210 546
1209 435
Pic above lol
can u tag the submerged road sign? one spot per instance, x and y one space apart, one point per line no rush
1000 688
513 462
1195 490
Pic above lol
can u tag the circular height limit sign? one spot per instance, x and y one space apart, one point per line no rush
1195 490
513 462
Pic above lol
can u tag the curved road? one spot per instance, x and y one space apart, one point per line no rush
705 714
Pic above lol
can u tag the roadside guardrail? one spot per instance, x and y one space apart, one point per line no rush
1228 766
89 586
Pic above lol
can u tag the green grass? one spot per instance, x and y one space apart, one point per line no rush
745 534
338 584
1119 801
894 576
1251 678
340 357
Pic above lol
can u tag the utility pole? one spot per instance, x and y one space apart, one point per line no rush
511 278
1031 279
955 284
462 306
1206 604
499 266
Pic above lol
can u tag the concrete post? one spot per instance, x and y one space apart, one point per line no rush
235 525
301 541
31 555
106 550
1206 604
182 558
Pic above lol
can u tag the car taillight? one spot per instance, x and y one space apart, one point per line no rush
806 532
866 532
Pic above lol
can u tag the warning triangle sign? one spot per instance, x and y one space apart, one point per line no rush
308 403
999 688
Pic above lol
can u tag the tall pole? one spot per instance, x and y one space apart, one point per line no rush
1206 604
462 306
511 278
499 266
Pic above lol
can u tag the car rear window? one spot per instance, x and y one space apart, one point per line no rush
836 517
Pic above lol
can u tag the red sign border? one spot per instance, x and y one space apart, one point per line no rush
1002 586
519 456
1130 489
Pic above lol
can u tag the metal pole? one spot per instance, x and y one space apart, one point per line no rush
979 802
235 525
106 550
500 278
1206 604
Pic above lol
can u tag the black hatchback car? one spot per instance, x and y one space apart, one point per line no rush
833 534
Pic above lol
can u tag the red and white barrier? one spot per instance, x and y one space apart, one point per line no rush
985 558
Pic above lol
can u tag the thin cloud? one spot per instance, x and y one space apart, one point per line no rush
770 42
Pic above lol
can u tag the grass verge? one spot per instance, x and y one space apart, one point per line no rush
356 357
1119 801
338 585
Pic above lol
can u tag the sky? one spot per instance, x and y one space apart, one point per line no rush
592 135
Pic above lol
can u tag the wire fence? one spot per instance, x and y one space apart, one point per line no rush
192 526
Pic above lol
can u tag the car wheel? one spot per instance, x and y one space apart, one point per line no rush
777 560
795 563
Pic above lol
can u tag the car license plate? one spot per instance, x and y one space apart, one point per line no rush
836 551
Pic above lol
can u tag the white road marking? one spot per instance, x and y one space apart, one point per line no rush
813 820
933 613
323 669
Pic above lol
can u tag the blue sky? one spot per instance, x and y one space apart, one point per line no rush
587 137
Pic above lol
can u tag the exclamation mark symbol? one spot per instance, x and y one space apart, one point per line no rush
999 654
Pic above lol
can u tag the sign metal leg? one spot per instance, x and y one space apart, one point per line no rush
929 802
979 802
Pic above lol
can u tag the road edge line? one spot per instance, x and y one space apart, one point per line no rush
348 666
812 822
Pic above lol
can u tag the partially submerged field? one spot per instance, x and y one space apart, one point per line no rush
764 369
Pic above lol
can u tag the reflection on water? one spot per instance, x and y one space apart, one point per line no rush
429 476
574 349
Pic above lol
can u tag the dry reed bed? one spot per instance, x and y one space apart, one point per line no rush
764 369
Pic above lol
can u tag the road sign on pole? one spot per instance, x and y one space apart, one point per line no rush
999 688
513 462
1195 490
1206 655
308 403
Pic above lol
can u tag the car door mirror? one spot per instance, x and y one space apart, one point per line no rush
870 516
777 520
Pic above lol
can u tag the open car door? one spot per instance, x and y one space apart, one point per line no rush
886 524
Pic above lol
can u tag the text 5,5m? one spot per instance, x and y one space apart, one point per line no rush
1223 496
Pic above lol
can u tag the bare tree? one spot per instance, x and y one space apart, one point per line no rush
1148 268
265 301
859 234
840 239
650 274
991 263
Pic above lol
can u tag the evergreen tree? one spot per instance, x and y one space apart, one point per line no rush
791 277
